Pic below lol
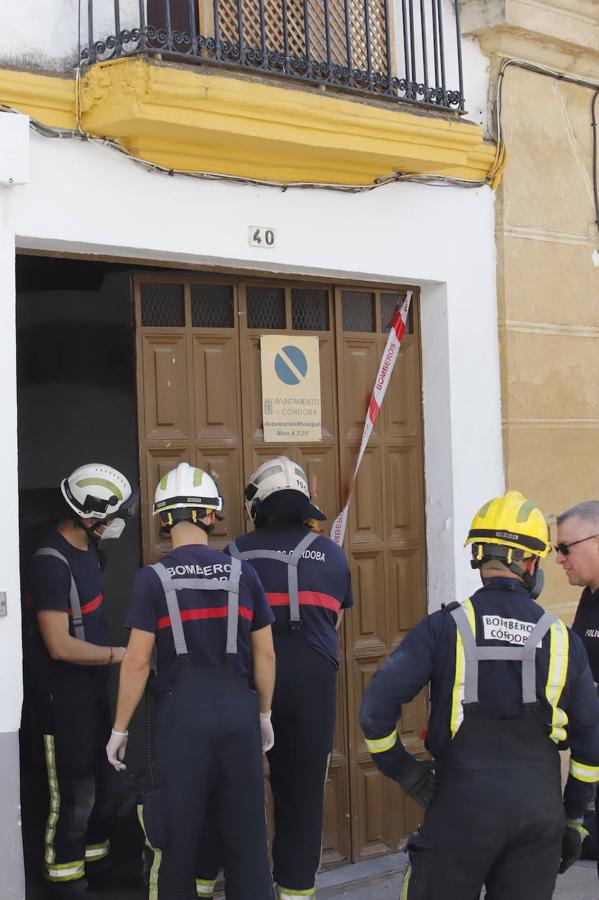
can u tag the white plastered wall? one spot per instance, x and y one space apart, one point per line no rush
11 680
88 199
46 35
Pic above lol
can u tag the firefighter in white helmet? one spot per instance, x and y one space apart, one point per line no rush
308 585
67 662
209 622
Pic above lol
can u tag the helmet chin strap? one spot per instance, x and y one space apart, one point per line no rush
533 581
207 528
90 530
168 520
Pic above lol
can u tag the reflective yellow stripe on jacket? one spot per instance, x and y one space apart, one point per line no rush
457 697
556 679
582 772
382 744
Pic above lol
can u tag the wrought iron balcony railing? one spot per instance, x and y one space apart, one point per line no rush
396 49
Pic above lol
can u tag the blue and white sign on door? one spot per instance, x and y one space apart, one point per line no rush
291 407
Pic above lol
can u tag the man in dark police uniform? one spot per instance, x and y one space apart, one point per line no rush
577 551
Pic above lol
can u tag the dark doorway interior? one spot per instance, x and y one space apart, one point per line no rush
76 404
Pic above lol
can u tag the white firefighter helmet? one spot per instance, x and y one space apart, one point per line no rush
182 492
274 476
97 491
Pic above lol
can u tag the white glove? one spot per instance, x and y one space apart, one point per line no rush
268 735
115 749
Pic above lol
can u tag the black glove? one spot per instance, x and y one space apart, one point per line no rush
574 835
420 782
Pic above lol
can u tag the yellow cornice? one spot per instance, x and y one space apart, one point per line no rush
194 120
49 99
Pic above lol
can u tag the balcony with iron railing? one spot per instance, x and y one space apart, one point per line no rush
407 51
340 93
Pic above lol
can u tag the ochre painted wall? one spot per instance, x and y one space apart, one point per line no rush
548 287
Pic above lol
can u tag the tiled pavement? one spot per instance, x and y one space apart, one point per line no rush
381 879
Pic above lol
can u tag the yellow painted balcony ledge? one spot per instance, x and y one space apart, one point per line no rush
194 120
48 98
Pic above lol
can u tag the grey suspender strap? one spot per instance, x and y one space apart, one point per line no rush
233 550
73 592
233 606
170 587
174 612
291 560
529 673
473 654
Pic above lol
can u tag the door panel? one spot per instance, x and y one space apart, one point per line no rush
216 412
402 409
200 400
366 515
368 577
252 384
385 542
360 363
320 466
165 379
405 494
372 827
224 466
157 462
328 380
405 589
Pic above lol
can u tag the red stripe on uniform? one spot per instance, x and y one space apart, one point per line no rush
206 612
90 606
306 598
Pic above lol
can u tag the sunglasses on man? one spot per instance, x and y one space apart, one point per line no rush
564 549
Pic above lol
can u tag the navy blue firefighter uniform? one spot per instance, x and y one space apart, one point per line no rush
208 773
509 687
72 709
71 698
307 582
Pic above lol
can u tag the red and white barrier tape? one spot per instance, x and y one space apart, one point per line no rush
387 364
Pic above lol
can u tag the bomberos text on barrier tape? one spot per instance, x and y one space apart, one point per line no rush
381 382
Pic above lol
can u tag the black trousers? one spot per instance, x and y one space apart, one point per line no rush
208 762
303 718
75 720
497 819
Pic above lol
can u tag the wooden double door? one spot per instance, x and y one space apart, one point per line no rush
199 400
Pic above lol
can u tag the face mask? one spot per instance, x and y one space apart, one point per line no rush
113 530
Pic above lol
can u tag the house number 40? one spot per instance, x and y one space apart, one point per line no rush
259 236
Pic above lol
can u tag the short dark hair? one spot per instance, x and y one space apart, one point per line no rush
587 511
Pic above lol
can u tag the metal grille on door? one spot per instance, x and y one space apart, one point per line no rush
199 400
